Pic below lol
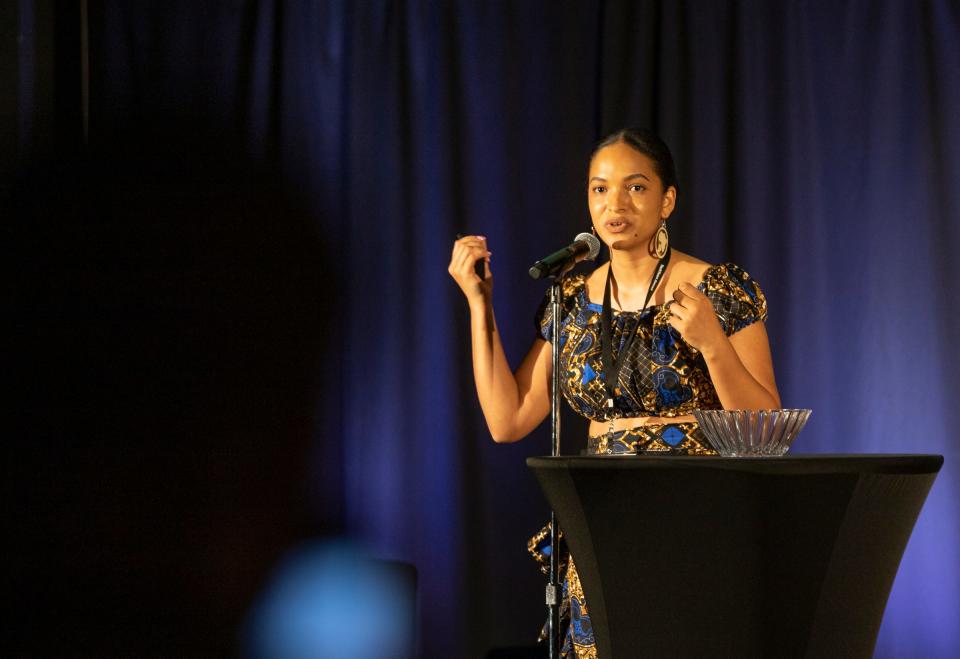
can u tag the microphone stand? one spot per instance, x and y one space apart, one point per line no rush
554 587
557 265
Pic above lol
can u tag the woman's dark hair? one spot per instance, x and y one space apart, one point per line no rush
649 144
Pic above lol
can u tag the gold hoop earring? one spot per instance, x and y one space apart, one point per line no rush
660 241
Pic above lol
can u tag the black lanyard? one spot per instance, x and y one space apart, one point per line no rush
611 368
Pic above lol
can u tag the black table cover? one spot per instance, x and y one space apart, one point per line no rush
736 557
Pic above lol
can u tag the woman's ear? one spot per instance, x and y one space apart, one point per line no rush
669 202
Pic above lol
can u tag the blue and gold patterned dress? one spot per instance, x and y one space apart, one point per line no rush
662 376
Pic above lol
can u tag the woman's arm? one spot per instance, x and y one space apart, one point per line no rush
513 404
740 366
742 370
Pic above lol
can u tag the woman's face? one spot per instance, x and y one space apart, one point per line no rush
626 197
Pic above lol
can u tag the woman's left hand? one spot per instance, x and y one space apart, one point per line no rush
692 314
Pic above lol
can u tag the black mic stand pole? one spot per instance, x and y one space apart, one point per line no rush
557 265
554 587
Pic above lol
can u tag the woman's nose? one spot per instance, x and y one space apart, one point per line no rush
617 199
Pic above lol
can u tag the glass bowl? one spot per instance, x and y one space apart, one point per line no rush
738 433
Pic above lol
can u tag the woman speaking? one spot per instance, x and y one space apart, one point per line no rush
646 338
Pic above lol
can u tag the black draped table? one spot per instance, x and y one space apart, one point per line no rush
736 557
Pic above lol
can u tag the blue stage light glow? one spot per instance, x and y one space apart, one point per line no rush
329 599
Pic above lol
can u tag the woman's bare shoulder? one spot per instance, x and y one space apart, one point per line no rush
689 268
596 279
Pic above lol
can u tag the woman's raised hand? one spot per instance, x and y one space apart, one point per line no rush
467 251
692 314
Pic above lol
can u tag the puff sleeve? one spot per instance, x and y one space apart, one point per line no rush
543 319
736 297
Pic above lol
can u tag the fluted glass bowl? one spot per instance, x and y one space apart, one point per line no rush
738 433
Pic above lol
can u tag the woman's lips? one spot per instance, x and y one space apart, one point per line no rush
616 226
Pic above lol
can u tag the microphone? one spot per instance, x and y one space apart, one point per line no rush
584 247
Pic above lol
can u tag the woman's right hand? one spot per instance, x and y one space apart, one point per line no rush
467 251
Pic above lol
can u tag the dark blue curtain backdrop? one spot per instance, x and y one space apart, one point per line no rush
818 146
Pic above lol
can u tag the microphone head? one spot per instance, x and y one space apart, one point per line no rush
592 241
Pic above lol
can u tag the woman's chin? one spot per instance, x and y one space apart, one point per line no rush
627 243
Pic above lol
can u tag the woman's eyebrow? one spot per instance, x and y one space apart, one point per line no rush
626 178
